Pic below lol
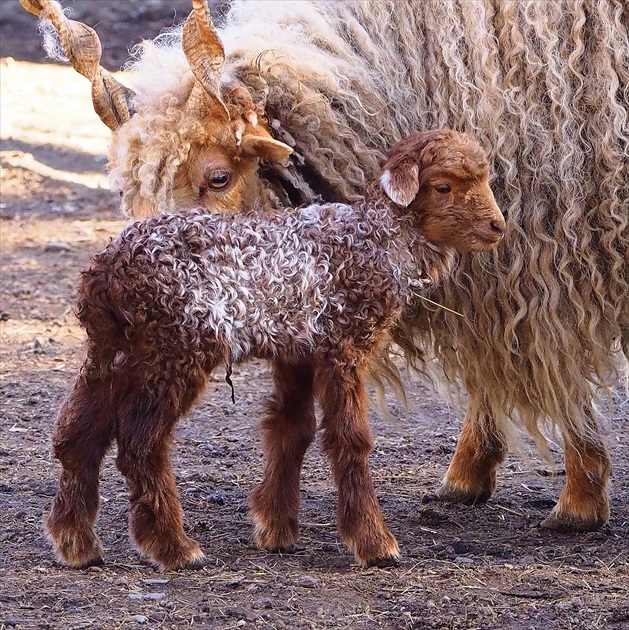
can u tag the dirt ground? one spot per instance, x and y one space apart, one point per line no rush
488 566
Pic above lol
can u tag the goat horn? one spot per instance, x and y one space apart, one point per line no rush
205 54
81 45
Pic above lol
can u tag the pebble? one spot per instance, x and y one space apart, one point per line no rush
308 582
464 560
148 596
57 247
574 603
139 618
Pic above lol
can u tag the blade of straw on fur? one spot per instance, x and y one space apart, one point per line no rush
82 46
205 54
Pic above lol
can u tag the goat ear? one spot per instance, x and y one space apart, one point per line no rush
265 148
401 183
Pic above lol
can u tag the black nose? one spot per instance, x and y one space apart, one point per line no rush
498 227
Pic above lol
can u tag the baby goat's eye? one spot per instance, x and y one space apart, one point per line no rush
443 189
218 179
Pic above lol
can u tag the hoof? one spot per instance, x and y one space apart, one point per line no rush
566 523
290 550
184 555
383 563
194 565
79 550
449 493
281 539
385 553
96 562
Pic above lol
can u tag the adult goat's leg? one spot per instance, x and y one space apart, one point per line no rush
584 501
289 427
347 440
145 430
83 434
471 476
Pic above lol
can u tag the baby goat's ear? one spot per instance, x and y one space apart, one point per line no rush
401 183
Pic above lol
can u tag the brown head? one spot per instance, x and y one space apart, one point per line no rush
197 147
441 177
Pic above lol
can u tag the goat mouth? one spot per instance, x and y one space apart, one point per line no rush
487 240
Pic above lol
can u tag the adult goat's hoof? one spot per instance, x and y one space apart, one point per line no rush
451 493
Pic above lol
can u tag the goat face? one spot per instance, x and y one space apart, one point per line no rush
220 173
441 177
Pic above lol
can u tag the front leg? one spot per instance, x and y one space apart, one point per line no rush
347 440
288 429
584 501
471 476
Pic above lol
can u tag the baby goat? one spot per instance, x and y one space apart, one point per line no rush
314 291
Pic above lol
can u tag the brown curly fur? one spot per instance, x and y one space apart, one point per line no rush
315 291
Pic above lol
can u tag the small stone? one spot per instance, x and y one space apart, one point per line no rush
139 618
154 596
572 604
464 560
147 596
308 582
57 247
241 623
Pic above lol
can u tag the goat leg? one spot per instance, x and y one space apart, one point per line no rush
471 476
82 436
584 501
288 429
347 440
145 429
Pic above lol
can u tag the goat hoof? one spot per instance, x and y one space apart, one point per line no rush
96 562
276 539
569 523
188 559
449 493
194 565
290 550
383 563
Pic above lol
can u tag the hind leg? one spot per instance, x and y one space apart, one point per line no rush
83 434
471 476
347 440
584 501
146 424
289 427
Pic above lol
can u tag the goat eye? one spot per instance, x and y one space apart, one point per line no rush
443 189
218 179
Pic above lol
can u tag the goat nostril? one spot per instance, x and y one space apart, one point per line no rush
498 226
